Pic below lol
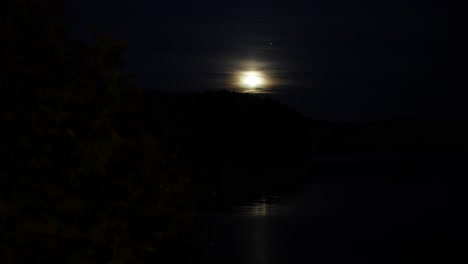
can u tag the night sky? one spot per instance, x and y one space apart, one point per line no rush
336 60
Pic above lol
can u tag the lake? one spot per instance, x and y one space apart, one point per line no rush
359 216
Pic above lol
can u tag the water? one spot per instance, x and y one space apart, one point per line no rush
358 217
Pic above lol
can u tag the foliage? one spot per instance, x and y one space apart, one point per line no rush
82 180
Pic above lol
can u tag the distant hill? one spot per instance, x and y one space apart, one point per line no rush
247 143
242 143
231 125
238 126
406 135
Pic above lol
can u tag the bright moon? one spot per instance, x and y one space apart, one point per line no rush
252 79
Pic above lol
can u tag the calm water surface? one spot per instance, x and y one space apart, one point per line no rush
359 217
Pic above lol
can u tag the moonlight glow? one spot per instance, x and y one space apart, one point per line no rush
252 79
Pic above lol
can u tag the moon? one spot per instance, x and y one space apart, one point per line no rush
252 79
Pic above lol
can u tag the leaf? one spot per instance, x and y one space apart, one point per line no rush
71 133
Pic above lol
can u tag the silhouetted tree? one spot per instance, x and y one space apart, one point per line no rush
82 180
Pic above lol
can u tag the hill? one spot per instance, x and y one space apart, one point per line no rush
242 143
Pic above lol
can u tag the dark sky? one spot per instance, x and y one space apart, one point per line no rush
330 59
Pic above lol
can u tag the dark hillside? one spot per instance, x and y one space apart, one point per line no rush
233 137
